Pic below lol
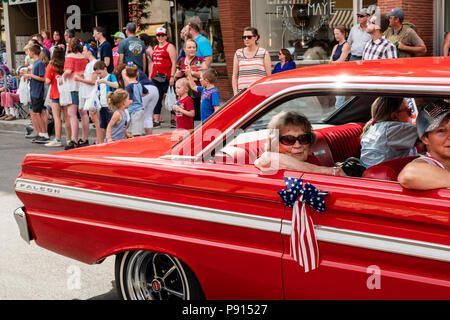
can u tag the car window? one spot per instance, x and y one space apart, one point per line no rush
316 108
336 142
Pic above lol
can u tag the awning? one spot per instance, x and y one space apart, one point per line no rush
342 17
151 29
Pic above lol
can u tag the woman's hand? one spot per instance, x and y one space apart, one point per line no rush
273 161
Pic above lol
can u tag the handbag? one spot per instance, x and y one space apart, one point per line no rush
92 103
159 77
65 97
24 91
48 101
170 99
353 167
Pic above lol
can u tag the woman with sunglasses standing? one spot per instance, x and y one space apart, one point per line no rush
390 134
288 146
251 63
162 71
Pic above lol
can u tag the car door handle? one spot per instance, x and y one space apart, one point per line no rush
324 193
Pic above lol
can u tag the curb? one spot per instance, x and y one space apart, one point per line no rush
19 126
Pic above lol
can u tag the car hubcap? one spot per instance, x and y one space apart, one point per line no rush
156 276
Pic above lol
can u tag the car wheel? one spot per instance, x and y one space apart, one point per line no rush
147 275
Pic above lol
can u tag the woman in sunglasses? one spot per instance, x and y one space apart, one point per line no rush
288 146
390 134
251 63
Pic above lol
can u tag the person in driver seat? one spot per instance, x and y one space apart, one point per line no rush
390 133
288 145
430 171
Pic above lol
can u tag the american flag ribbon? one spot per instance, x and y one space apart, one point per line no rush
304 248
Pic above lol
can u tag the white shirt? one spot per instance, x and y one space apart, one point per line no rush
86 89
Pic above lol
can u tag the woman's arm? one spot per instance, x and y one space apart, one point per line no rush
173 59
273 161
421 175
446 45
344 54
234 79
268 63
332 54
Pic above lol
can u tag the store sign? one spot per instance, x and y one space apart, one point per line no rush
287 8
133 13
74 20
13 2
303 18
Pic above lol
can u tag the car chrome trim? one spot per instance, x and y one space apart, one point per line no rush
378 242
353 238
21 219
337 84
149 205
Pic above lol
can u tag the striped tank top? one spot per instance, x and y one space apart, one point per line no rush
250 69
118 130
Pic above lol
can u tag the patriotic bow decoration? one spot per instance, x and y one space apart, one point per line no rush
304 247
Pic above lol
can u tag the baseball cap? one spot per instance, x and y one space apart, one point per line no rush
364 12
431 115
161 30
118 34
130 27
397 12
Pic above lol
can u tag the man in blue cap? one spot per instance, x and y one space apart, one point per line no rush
403 36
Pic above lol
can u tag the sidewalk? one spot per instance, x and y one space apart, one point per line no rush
19 126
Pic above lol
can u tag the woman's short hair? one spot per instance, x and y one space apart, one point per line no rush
284 119
190 40
287 54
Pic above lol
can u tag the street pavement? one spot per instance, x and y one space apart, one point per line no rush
28 272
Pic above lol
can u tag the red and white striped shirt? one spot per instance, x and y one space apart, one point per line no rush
250 69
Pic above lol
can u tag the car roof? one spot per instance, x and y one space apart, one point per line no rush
428 70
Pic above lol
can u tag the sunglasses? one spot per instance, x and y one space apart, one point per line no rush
247 37
360 16
303 139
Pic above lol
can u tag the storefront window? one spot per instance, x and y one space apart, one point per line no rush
207 12
305 27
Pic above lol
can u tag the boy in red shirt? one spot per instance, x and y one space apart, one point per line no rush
184 108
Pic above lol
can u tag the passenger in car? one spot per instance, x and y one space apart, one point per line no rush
288 146
390 133
431 171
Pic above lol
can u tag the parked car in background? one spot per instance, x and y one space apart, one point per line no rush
188 216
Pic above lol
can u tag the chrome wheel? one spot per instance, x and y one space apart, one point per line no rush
146 275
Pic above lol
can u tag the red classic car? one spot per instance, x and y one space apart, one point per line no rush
188 216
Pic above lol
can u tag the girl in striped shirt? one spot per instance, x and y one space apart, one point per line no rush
251 63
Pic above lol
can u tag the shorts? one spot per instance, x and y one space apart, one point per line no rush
37 104
105 117
136 127
75 98
55 100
